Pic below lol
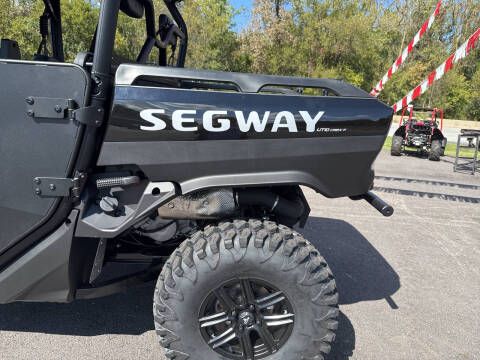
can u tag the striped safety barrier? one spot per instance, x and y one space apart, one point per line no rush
401 59
437 74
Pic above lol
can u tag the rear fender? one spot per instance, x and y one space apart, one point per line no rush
437 135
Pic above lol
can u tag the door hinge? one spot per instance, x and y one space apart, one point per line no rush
56 108
90 116
59 187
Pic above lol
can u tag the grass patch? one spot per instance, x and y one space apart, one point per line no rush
450 150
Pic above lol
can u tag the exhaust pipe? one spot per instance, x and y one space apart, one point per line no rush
273 202
381 206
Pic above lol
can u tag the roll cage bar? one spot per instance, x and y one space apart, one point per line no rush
53 11
435 114
105 34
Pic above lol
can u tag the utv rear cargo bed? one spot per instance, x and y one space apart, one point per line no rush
229 129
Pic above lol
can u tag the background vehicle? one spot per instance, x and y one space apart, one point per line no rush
195 174
421 130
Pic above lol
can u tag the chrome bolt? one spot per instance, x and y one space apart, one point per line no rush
37 181
58 108
38 191
52 187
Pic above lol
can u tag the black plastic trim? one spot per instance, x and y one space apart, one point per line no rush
127 74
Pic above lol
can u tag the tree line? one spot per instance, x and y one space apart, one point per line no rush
354 40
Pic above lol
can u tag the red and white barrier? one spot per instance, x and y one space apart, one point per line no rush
401 59
437 74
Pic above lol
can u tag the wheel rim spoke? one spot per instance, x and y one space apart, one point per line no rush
278 320
223 338
224 298
270 300
247 291
246 344
213 319
266 337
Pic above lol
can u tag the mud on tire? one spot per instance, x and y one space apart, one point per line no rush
239 250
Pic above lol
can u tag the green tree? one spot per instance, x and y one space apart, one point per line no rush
212 42
356 40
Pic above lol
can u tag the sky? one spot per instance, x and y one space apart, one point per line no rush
245 7
241 20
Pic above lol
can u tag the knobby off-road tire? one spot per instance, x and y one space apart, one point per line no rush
255 250
397 142
444 146
435 150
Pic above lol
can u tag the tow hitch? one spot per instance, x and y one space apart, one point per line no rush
382 207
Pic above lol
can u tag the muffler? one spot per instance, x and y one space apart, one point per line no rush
221 203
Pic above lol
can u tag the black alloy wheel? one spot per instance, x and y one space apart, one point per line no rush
246 319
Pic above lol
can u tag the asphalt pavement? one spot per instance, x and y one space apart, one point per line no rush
409 285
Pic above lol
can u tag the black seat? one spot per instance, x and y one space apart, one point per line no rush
9 49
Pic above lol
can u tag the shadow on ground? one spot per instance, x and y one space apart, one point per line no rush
362 274
129 313
344 344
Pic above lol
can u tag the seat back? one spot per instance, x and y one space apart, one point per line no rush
9 49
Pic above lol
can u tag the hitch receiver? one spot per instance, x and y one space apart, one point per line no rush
382 207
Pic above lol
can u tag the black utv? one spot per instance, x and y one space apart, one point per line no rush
192 176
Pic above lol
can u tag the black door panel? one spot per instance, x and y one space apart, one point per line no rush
33 147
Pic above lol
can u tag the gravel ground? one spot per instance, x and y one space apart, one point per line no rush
409 285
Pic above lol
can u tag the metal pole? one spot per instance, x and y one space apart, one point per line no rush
455 166
102 58
476 155
101 77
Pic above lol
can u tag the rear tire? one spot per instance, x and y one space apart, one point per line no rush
435 150
397 143
444 146
239 251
